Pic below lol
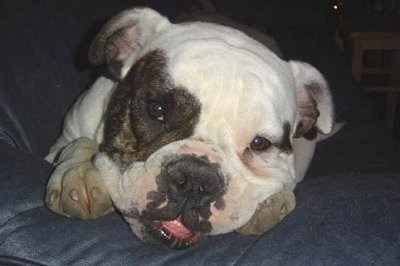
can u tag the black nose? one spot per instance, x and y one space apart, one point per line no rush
196 183
194 177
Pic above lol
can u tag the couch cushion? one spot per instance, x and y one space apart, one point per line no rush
339 219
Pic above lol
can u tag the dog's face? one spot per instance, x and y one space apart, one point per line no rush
201 125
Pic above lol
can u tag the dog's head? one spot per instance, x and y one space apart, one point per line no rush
200 128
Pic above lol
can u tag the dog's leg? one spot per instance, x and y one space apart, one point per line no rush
269 213
75 188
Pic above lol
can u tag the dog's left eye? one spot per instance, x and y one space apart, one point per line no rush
260 144
156 110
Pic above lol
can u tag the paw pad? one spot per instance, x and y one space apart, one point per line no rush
284 210
96 193
53 196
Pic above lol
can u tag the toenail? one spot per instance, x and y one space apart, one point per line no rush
96 192
283 209
53 196
73 194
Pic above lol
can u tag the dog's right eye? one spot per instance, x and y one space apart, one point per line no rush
156 110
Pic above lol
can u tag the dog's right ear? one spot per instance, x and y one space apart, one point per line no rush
120 40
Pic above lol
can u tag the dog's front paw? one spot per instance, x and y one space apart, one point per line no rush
78 191
269 213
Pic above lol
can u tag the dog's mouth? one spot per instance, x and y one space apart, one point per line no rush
174 234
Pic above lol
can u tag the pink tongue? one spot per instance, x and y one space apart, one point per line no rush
177 228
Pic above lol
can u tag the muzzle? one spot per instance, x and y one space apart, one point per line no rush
177 216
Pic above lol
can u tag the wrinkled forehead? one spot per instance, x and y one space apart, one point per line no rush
221 65
214 66
203 49
212 61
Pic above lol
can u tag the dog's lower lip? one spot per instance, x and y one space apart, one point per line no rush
175 235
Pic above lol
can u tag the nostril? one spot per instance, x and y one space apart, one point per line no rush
179 178
176 175
181 181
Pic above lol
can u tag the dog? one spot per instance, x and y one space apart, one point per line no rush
200 130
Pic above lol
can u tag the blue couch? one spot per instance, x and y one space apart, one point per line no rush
348 206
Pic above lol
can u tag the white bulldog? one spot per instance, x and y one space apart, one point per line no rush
201 130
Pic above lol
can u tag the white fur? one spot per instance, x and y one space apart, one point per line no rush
245 91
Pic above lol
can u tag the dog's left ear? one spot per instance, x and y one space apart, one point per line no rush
121 39
314 101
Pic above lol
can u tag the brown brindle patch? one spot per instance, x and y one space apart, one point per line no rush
131 133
